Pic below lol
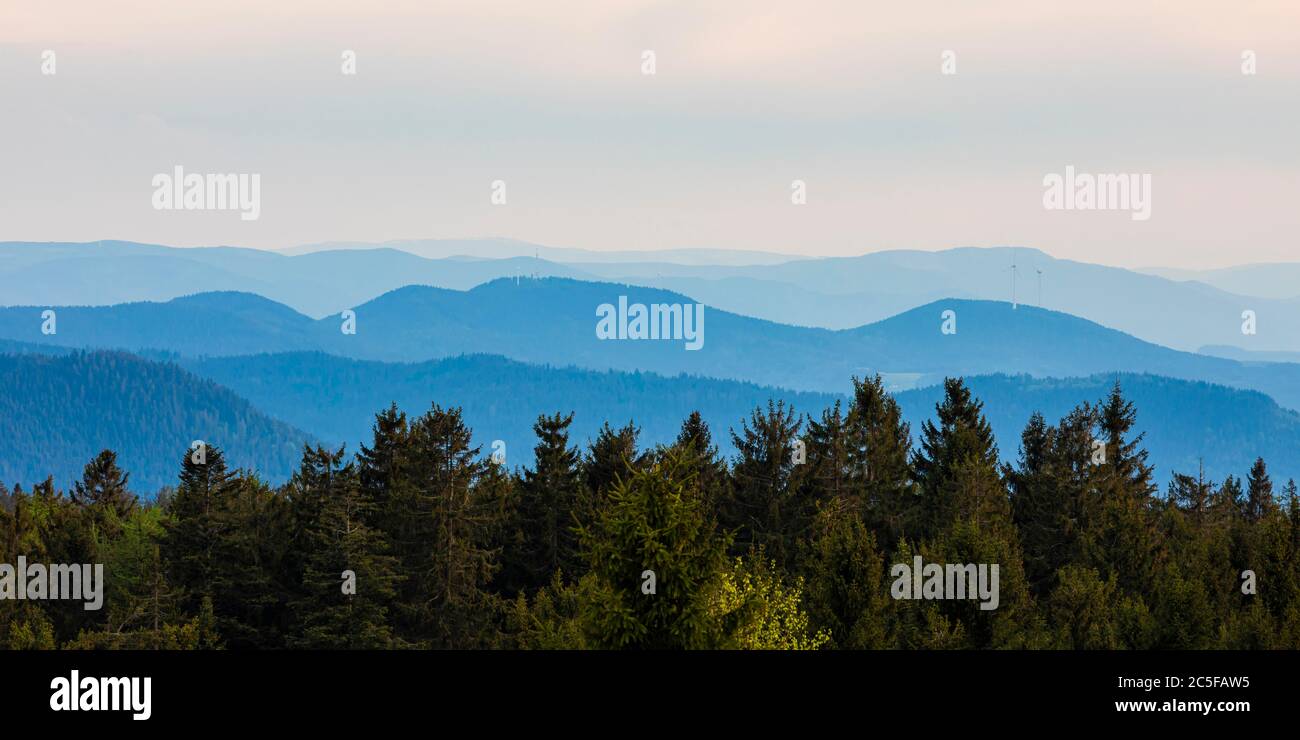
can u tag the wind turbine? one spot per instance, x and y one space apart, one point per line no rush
1040 286
1013 281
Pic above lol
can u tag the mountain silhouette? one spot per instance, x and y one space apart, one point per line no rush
553 321
1176 309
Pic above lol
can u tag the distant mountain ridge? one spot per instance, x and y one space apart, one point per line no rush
493 249
1269 280
830 292
319 283
58 412
336 399
552 321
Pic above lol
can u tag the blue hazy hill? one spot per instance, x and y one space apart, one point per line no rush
318 283
337 398
1183 310
553 320
1187 423
207 323
58 412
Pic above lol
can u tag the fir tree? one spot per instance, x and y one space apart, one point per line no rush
611 456
653 529
348 578
951 454
449 564
845 592
827 482
881 476
382 470
708 469
1041 513
103 487
1259 493
551 495
1120 538
195 528
969 516
766 508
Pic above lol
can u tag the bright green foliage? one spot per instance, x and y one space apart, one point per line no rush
758 611
1087 613
552 620
653 524
845 591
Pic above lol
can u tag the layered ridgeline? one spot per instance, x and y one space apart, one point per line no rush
1190 427
1187 424
1175 309
1268 280
336 398
56 413
59 412
319 283
555 320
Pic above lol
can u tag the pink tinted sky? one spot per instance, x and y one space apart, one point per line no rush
748 96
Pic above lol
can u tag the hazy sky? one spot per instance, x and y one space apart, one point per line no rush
748 96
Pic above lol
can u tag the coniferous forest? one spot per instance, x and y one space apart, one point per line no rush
420 541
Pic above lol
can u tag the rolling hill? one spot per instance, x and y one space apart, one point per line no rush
58 412
1164 310
553 320
1187 423
316 283
337 398
1269 280
830 292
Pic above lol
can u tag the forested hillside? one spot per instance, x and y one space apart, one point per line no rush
335 397
57 412
1188 425
332 399
422 541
